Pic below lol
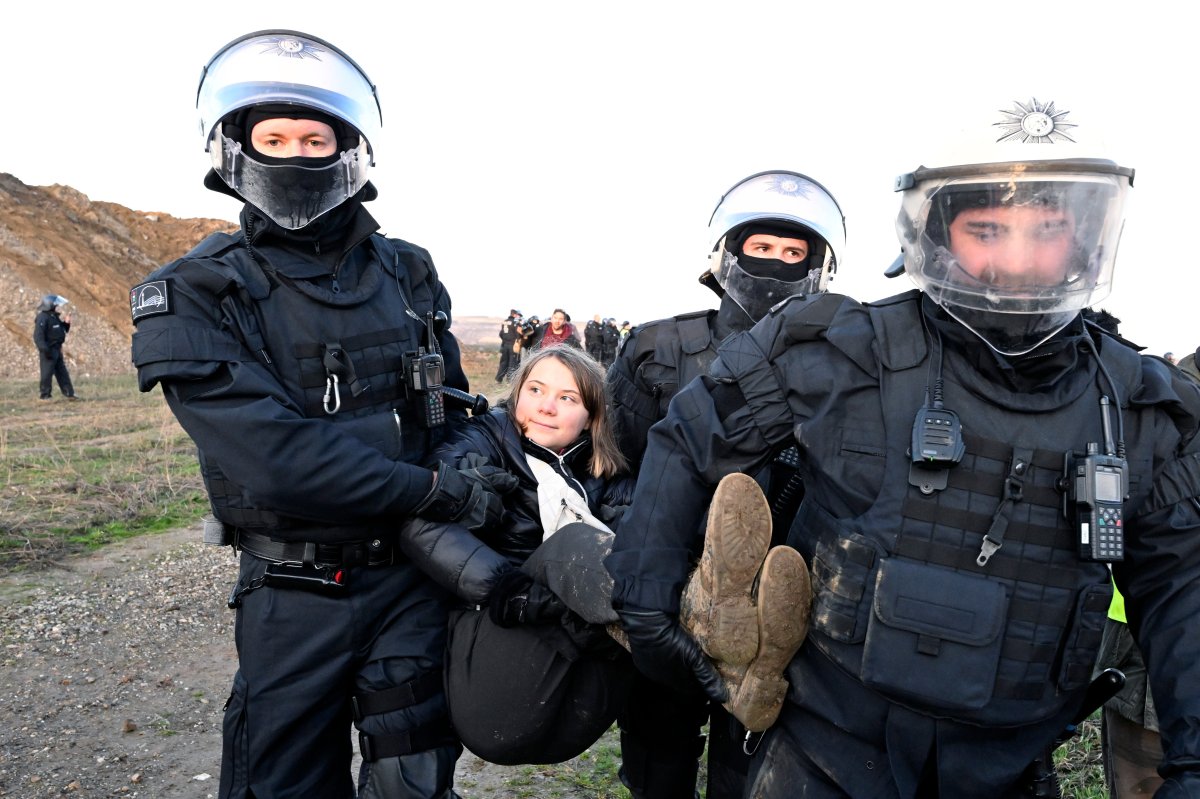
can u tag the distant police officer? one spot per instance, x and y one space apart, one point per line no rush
510 345
593 337
772 235
304 356
49 332
974 458
610 338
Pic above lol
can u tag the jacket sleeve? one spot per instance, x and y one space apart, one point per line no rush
1160 579
453 557
449 553
731 421
39 332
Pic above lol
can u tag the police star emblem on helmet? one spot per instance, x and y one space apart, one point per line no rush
292 48
1038 123
789 185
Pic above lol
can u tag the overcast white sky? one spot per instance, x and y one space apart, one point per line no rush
568 154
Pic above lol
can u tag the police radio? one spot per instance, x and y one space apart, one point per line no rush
937 443
1096 487
423 374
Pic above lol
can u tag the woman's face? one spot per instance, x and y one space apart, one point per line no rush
549 408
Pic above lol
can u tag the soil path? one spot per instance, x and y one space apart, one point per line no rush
114 670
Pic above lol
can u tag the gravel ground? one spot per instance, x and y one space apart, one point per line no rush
114 671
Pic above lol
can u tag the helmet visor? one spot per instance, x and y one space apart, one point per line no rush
1014 256
757 295
292 195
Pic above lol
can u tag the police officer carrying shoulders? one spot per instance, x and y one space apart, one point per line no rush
772 235
304 355
974 458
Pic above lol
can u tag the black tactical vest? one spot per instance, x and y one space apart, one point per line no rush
900 597
343 367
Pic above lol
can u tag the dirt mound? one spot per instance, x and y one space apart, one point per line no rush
54 240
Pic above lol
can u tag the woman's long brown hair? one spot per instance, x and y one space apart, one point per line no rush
607 460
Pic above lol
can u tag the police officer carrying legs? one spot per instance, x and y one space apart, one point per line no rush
305 357
974 456
772 235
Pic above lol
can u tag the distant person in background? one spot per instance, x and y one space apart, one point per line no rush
625 329
558 331
529 330
593 337
610 337
49 332
1170 356
510 345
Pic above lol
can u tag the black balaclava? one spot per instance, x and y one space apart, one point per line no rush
309 178
773 268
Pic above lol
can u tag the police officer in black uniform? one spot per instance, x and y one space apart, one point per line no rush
49 332
610 339
304 356
975 457
661 738
510 345
593 338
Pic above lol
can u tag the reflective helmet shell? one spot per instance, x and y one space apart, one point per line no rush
289 67
295 69
783 196
1033 161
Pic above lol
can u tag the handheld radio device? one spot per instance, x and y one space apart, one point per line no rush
1096 487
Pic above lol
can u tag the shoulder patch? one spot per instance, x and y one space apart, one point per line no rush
151 298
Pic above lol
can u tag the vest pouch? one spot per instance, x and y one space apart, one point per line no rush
1082 642
382 431
841 573
934 635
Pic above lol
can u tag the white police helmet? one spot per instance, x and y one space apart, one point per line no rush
787 203
288 69
52 302
1016 231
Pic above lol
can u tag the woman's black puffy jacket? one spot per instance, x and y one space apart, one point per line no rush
469 563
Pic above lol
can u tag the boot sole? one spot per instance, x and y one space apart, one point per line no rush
784 604
736 540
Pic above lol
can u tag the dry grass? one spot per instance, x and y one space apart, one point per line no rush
77 475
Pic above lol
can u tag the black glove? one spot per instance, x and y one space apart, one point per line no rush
517 599
469 496
665 653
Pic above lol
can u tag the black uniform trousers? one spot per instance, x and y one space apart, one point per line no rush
302 655
54 366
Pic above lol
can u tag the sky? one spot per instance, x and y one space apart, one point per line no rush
554 154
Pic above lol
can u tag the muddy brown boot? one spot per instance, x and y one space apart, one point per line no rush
783 605
717 607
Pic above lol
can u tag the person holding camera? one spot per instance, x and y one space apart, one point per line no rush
305 356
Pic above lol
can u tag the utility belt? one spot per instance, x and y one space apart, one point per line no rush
337 555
